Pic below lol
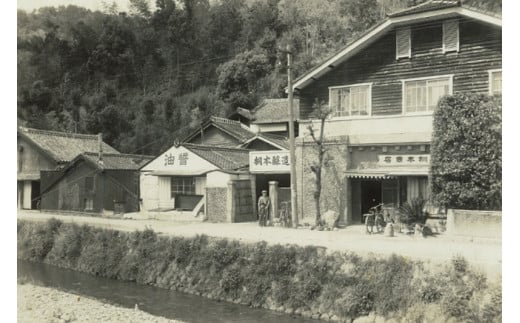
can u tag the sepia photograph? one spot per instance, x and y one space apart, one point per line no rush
270 161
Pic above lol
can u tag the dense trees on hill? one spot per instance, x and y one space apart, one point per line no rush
142 77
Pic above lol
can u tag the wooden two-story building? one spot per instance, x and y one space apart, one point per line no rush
383 89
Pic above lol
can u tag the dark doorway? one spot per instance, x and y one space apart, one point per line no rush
284 181
370 195
35 195
262 182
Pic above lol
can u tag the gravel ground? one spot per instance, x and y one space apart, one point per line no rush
42 304
484 254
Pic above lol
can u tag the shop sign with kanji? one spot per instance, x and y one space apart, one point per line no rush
273 161
172 159
403 160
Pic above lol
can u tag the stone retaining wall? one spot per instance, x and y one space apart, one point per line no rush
216 205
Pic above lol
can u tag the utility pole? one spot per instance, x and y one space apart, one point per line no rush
292 153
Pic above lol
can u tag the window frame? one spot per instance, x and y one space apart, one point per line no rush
369 100
427 78
173 193
490 80
456 50
409 31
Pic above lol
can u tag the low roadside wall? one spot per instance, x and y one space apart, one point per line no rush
478 224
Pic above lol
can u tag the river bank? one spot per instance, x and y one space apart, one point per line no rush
306 281
42 304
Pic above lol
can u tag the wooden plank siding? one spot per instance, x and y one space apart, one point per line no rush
480 50
31 159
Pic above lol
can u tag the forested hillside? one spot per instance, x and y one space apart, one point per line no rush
146 77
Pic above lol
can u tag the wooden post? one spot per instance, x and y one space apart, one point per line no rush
231 205
252 179
292 157
273 196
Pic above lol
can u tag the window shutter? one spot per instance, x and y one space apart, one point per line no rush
450 36
403 43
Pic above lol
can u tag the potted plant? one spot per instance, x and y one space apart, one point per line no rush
412 212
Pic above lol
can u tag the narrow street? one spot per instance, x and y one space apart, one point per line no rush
485 255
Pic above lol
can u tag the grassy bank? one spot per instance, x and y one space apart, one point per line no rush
301 280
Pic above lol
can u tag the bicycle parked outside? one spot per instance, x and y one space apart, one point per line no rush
378 216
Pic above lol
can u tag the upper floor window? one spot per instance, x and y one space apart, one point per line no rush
495 82
353 100
422 95
450 36
403 43
182 185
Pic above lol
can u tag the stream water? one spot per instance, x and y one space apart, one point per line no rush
154 300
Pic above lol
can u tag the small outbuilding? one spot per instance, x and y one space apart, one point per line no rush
43 150
94 182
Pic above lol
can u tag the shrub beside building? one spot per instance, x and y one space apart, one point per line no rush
466 160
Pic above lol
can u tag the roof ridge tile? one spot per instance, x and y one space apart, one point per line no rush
58 133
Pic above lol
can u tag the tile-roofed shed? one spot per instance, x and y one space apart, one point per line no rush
61 146
274 111
118 161
223 157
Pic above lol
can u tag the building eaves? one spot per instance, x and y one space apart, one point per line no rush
231 127
385 26
225 158
280 141
117 161
426 6
63 147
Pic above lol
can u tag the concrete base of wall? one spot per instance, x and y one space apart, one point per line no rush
477 224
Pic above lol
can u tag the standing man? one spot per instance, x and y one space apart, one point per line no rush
263 208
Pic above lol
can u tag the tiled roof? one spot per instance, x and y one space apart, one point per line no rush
274 110
276 139
233 128
118 161
223 157
61 146
426 6
245 113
